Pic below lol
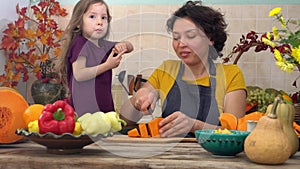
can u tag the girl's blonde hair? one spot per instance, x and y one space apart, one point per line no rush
72 30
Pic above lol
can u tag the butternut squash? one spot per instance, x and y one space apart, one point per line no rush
12 106
286 114
267 143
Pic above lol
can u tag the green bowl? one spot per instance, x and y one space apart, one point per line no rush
222 144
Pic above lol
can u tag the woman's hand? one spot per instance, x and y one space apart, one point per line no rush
176 124
145 98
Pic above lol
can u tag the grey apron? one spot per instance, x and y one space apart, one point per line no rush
196 101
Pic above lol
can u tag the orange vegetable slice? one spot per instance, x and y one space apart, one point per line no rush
143 130
228 121
154 127
242 124
296 128
133 133
254 116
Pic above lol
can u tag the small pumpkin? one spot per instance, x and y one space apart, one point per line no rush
267 143
286 114
12 106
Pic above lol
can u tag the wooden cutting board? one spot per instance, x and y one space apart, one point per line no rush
126 139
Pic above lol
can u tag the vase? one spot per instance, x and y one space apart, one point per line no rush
44 93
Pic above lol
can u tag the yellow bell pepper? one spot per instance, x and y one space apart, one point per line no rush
33 126
77 129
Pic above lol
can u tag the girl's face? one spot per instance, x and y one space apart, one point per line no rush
95 22
189 42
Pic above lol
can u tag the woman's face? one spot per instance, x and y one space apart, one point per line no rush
95 22
189 42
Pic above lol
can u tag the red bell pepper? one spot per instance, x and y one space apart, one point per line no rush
57 118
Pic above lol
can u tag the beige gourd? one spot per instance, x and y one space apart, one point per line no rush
286 114
267 143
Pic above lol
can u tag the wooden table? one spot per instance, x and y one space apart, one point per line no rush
129 155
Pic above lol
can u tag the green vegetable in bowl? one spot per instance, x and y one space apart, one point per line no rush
96 123
101 123
116 121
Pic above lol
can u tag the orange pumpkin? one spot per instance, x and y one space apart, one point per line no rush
12 106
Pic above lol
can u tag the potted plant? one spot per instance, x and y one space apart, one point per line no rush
32 44
284 43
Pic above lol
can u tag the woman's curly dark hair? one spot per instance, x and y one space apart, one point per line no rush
210 20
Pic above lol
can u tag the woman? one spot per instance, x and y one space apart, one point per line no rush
194 90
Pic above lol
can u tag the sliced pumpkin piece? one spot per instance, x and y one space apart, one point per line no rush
12 106
228 121
254 116
143 130
133 133
154 127
242 124
296 128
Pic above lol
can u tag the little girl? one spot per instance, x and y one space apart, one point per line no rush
88 59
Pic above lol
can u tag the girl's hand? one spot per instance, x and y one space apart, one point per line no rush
114 59
176 124
121 47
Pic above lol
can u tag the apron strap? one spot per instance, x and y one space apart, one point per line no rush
213 115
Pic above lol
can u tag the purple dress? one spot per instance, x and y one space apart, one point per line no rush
95 94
